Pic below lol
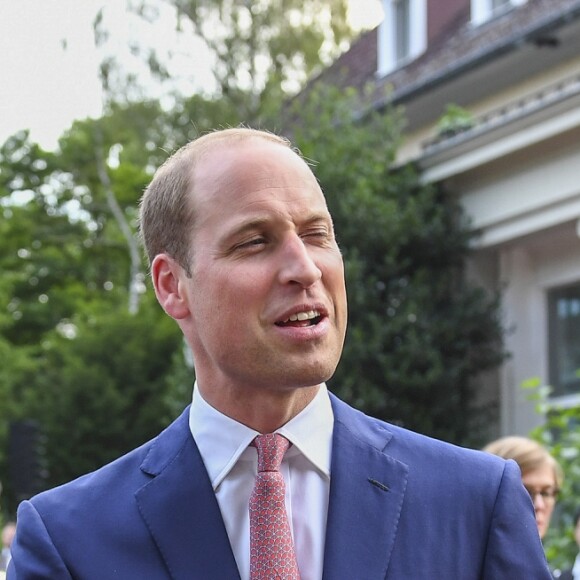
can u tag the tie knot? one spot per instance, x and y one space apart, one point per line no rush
271 448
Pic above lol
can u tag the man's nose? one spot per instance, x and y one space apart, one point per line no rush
297 265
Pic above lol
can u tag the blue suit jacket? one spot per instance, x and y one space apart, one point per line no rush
402 506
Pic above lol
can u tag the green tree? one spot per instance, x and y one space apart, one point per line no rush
100 380
74 358
102 391
40 263
76 335
419 334
258 52
265 49
42 246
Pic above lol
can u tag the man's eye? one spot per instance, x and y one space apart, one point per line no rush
252 243
321 234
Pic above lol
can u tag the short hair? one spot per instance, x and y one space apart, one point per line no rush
167 214
527 453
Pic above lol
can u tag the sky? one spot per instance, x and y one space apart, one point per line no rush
49 64
42 86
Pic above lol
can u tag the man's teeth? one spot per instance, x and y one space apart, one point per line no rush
300 316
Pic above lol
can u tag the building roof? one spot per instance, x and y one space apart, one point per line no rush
458 50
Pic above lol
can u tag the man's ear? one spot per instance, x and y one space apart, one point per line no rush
167 274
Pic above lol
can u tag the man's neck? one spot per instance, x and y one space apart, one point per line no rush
263 410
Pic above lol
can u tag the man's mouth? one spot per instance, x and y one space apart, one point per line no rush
302 319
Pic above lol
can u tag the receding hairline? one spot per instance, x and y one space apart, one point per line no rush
173 184
194 151
237 134
189 156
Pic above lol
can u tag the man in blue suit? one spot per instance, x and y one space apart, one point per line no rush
244 258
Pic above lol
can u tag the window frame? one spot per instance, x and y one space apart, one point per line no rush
555 344
483 10
389 38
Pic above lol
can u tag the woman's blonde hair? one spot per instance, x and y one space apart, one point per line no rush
527 453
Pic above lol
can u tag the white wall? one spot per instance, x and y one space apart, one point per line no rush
529 269
527 208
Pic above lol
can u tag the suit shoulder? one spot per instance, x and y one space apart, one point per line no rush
411 447
120 477
429 447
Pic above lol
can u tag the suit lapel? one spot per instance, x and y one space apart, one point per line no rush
180 509
366 496
367 488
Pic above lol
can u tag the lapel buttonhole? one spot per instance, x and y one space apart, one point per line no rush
378 484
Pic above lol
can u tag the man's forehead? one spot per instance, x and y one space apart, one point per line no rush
260 166
253 149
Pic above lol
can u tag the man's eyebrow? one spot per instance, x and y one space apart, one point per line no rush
247 226
259 222
242 228
318 217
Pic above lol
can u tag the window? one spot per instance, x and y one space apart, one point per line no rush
499 4
402 27
402 33
564 340
484 10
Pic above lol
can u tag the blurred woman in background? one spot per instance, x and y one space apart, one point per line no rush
542 476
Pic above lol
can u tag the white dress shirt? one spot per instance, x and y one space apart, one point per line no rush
232 467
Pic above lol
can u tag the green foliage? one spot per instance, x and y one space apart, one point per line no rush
419 334
100 381
261 51
455 120
561 435
195 115
95 378
103 391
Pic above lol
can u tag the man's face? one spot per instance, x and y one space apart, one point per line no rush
266 296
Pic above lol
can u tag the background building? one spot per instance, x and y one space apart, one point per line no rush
509 148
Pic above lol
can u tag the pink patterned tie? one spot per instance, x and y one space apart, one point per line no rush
271 549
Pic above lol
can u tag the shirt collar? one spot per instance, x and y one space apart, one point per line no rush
221 440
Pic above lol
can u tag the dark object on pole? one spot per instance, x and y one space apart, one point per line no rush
26 459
